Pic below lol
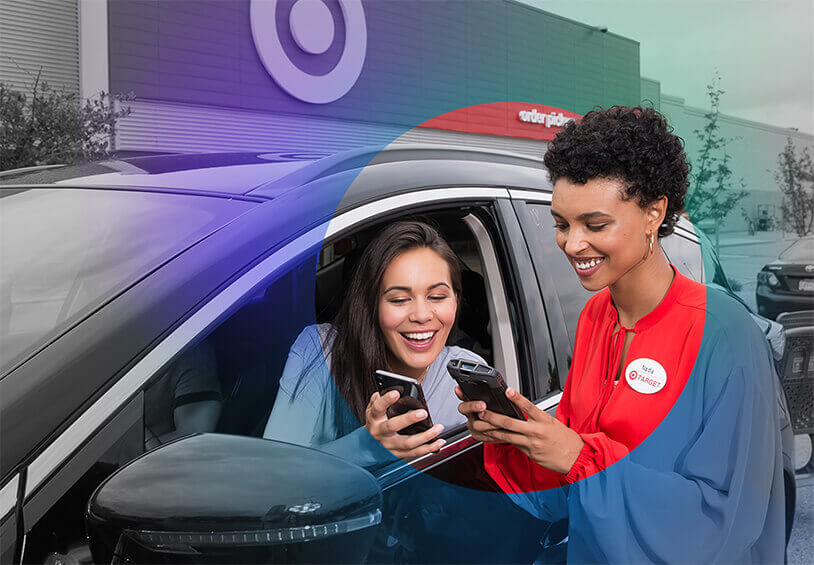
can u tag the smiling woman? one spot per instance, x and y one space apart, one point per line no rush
667 422
417 310
398 312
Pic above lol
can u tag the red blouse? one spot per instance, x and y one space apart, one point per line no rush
613 420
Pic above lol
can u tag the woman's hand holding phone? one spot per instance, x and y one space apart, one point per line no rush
544 439
386 430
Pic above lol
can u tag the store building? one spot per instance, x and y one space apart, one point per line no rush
207 74
317 76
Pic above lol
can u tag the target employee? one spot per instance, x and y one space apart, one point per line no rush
665 446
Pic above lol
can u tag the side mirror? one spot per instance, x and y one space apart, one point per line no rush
227 499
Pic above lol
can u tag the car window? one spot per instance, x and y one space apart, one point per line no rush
227 381
686 256
224 381
542 242
713 270
65 252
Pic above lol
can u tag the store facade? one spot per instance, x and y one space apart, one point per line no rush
242 75
267 75
214 76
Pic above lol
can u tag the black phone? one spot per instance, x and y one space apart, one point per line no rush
479 381
411 397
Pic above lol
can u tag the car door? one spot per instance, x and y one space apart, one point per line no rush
111 430
9 508
124 345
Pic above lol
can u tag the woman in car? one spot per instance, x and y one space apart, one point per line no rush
399 310
665 446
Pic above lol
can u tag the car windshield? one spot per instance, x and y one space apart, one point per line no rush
64 252
800 250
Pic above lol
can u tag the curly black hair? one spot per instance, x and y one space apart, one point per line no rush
634 145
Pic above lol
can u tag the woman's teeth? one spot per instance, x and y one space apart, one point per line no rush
419 336
584 265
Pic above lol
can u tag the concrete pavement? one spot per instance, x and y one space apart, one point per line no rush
801 545
734 239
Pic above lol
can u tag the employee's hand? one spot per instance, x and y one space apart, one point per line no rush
545 440
473 411
385 429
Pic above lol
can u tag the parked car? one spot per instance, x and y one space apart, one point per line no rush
112 272
787 283
797 376
716 276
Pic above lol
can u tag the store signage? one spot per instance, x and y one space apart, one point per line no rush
547 119
312 28
509 119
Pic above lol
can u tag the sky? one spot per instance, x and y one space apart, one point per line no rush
763 50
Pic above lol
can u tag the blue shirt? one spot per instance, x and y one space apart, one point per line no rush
304 410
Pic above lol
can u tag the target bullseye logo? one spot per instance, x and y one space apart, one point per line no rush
312 28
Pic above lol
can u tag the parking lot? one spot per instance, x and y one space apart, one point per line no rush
742 257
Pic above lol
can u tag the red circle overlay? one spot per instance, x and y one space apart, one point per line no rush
504 119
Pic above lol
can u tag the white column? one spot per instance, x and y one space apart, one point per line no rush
94 74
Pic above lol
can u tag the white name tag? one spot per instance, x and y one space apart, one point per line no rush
645 375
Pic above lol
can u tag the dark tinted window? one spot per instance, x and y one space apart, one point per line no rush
572 294
64 252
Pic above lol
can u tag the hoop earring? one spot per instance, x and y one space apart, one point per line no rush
649 252
652 240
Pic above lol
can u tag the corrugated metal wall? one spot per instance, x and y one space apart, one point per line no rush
39 34
165 127
532 147
423 59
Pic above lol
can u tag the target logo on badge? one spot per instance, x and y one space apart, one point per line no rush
312 27
645 375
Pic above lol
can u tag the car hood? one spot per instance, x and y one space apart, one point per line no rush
795 267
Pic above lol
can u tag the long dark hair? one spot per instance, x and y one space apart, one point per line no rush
358 348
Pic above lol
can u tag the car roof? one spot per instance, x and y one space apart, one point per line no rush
266 175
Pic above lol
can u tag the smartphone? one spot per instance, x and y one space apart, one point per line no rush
411 397
479 381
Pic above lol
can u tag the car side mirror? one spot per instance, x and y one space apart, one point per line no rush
214 498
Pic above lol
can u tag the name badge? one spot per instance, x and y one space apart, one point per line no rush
645 375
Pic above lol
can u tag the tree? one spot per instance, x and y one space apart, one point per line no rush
44 126
712 195
795 178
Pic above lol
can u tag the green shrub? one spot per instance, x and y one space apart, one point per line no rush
44 126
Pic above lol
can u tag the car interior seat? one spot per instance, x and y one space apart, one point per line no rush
473 318
332 283
252 347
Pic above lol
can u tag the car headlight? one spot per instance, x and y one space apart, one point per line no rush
767 278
